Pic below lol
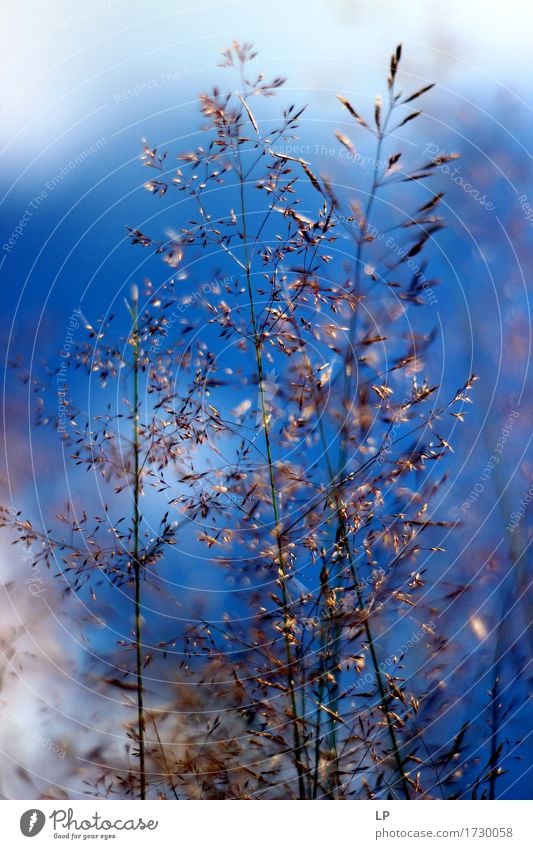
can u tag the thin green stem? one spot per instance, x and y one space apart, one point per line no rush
343 535
348 383
350 363
165 762
329 641
274 499
384 695
136 545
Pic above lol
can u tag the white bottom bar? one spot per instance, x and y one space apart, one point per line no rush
267 825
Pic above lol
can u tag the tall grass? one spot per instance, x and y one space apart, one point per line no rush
315 498
137 485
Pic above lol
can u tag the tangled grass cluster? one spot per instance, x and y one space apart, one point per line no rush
282 412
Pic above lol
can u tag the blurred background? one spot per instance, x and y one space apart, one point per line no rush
83 83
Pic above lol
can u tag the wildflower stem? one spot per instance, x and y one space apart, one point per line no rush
348 384
136 543
343 537
274 499
349 369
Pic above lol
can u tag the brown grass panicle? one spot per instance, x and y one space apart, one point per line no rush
283 411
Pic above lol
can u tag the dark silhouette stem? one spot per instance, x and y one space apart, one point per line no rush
136 543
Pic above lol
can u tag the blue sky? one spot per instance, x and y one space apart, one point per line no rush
86 82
